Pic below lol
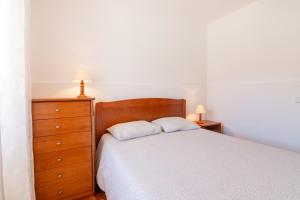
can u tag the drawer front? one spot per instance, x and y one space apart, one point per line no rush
63 174
49 110
61 158
61 126
64 190
61 142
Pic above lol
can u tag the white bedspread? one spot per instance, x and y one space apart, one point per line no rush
196 165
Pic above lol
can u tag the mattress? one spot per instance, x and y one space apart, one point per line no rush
195 165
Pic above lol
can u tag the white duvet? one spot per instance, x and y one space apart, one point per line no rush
195 165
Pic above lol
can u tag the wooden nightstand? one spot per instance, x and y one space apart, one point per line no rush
211 125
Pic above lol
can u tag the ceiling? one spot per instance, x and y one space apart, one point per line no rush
214 9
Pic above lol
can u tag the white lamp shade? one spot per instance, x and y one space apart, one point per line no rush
200 109
82 75
85 81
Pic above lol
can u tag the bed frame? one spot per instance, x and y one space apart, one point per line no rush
110 113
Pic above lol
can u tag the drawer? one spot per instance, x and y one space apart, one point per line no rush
49 110
61 126
65 190
61 142
63 174
61 158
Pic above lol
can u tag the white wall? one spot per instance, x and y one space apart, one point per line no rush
157 48
132 49
253 72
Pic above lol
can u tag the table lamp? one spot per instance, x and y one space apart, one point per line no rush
82 82
200 110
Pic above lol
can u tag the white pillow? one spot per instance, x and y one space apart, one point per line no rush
134 129
171 124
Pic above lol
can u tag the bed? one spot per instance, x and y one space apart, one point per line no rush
187 165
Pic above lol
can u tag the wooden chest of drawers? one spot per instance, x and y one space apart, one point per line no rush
63 146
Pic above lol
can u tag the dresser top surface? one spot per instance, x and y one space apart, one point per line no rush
62 99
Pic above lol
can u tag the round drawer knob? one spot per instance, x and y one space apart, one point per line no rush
59 159
59 143
57 126
57 110
59 176
60 192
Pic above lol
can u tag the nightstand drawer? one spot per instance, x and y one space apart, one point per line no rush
62 174
211 125
61 158
49 144
49 110
61 126
65 190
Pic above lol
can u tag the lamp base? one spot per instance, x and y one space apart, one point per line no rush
200 118
82 96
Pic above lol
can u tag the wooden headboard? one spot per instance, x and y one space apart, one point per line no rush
110 113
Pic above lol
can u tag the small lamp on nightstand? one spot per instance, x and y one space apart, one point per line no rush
200 110
82 82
